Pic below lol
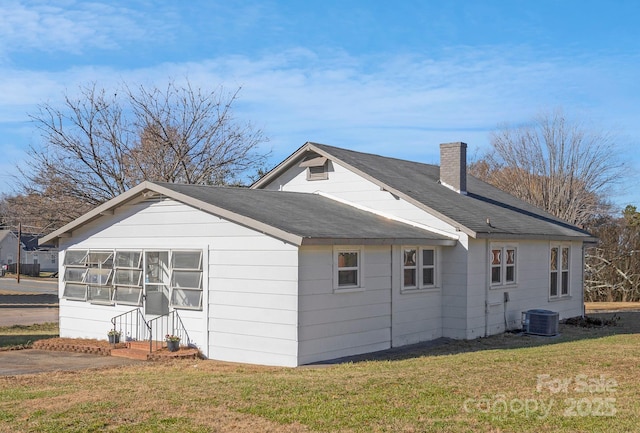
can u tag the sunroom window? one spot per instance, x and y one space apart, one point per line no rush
98 276
102 276
127 277
75 291
74 274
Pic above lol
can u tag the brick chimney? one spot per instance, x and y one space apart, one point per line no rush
453 166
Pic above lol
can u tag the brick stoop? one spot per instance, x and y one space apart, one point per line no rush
140 350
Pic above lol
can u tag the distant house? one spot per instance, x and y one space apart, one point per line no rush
8 247
34 253
332 253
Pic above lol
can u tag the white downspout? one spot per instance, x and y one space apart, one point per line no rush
487 284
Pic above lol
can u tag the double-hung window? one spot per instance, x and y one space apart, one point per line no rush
348 268
503 263
559 271
418 267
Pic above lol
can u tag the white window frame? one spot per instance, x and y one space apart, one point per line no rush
337 252
561 272
179 295
503 265
77 265
419 268
99 265
99 275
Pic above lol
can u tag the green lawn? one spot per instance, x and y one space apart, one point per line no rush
584 381
24 335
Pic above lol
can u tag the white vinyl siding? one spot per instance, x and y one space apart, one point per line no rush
253 301
336 323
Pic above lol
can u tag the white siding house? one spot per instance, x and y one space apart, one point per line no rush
332 253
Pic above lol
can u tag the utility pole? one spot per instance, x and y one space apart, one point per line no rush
19 249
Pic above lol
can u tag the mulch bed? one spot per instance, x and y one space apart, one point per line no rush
77 345
103 348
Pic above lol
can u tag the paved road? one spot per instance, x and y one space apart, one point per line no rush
26 285
31 301
28 316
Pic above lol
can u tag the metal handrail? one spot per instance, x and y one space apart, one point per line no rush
170 323
136 328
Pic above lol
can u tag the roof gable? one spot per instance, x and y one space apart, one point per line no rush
485 211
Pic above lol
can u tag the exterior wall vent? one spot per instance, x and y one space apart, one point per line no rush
540 322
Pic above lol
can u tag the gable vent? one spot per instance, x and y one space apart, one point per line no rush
317 167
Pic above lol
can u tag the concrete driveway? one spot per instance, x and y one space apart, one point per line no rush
31 361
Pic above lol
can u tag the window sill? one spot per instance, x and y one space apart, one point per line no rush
560 298
420 290
348 289
107 303
184 307
504 286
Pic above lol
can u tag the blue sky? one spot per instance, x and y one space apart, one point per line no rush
393 78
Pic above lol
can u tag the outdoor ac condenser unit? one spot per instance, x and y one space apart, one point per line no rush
540 322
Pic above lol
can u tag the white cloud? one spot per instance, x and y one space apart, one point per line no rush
70 26
400 106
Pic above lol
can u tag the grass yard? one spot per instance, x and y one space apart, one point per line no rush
586 380
24 335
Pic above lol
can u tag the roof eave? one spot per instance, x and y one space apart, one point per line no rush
377 241
541 237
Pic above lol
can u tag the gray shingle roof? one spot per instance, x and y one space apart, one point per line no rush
508 216
309 216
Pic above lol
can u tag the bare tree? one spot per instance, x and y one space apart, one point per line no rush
613 267
554 163
99 144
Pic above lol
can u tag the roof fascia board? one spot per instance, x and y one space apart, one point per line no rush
385 241
502 236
